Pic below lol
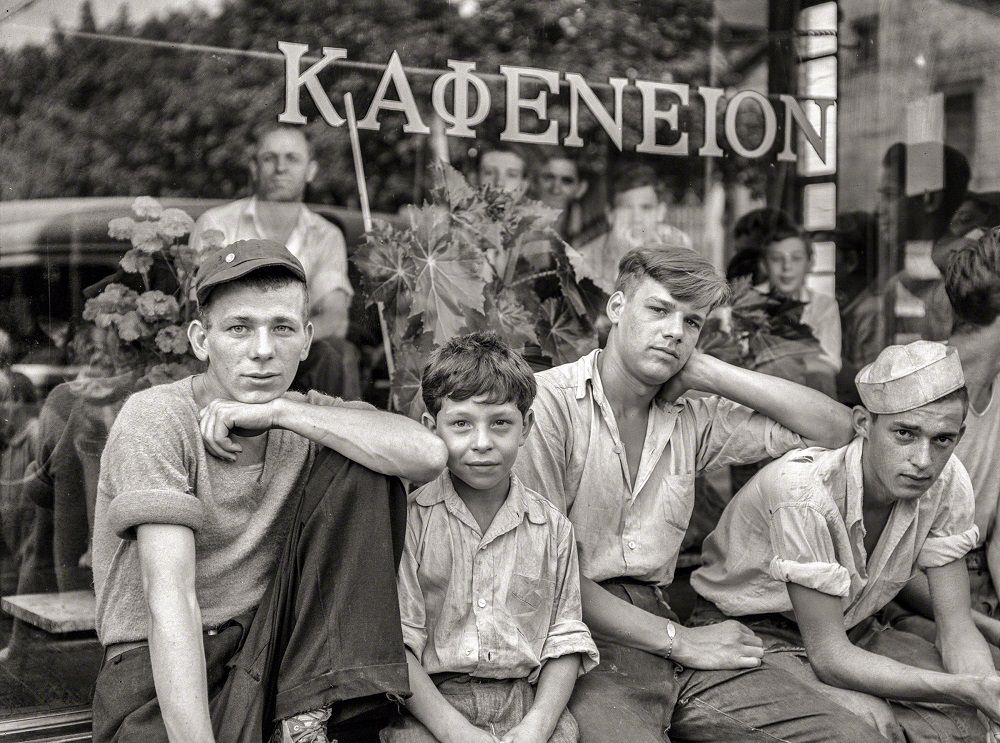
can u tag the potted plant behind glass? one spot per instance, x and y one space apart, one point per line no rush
474 259
143 312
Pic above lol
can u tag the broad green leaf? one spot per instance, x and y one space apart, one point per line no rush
448 286
562 334
512 320
409 361
387 273
450 185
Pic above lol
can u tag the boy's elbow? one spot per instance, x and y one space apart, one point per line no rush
433 459
827 667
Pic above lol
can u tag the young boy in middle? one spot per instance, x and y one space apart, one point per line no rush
489 587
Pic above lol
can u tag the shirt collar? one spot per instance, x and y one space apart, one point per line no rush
250 214
514 510
587 371
854 505
805 295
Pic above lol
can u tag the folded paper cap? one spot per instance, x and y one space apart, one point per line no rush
906 377
236 260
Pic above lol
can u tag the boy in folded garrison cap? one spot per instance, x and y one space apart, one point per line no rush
813 547
245 539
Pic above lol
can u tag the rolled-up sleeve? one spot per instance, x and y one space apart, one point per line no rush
804 550
953 532
567 632
411 599
145 475
730 433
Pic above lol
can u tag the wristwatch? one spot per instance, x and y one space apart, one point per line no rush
671 634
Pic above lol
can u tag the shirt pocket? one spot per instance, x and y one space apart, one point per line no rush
676 499
530 604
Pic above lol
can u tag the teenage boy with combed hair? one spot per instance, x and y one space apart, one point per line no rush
617 450
489 585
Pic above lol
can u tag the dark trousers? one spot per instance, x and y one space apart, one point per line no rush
326 633
639 697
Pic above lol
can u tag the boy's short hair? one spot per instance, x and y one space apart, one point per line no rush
477 364
972 280
687 275
637 176
264 279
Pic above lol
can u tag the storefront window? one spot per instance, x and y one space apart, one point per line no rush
856 135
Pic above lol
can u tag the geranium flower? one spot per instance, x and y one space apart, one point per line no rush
120 228
212 239
131 327
155 305
135 261
146 238
109 304
174 223
146 207
172 339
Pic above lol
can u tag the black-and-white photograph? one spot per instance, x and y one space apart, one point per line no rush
500 371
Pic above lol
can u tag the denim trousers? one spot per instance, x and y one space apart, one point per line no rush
326 634
639 697
493 705
898 722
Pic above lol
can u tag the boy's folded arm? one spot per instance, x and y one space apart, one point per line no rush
838 662
429 706
384 442
555 685
962 647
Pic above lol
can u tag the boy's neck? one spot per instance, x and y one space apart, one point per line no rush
979 350
623 391
482 504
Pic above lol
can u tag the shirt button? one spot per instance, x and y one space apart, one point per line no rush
616 449
631 545
482 603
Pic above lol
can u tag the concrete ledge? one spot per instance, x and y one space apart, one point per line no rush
71 611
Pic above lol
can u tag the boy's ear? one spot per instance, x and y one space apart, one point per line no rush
430 423
615 305
861 419
529 422
196 334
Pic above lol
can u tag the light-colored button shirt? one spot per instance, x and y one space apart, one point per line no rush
574 456
493 605
800 520
978 451
318 244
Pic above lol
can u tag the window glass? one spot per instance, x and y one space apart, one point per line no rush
136 137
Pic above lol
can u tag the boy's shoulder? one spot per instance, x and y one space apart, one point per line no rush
540 510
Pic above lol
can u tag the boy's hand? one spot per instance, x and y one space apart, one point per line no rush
526 731
694 375
220 417
723 646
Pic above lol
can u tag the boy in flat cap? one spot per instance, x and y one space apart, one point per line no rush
819 541
246 540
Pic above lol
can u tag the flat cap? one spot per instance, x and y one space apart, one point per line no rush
907 377
230 262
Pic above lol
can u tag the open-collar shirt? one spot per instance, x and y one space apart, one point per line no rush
800 520
574 456
496 604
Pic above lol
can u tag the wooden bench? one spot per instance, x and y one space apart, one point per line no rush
58 613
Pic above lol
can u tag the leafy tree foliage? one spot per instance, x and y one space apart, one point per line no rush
92 116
